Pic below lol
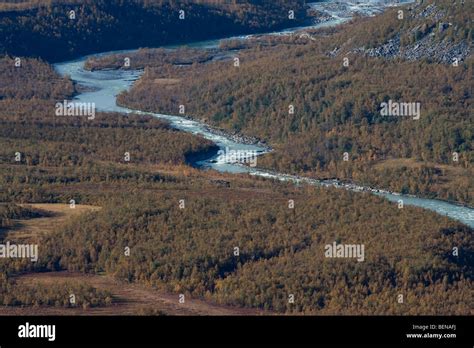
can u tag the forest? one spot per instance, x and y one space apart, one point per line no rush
280 250
46 158
48 29
13 294
299 96
39 149
236 240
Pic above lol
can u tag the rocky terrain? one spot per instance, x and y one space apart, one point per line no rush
427 34
428 47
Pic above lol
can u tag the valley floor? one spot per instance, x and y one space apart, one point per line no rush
128 299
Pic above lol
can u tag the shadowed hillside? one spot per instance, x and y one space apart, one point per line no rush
58 30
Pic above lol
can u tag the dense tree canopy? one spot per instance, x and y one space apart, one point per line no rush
49 30
313 107
235 239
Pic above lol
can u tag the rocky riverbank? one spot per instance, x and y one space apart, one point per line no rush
238 137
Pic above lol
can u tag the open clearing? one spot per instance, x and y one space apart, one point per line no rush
395 163
166 81
128 299
57 214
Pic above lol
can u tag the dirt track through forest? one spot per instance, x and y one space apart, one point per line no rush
128 299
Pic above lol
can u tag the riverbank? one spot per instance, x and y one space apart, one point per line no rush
109 82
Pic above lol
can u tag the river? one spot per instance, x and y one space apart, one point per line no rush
105 85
